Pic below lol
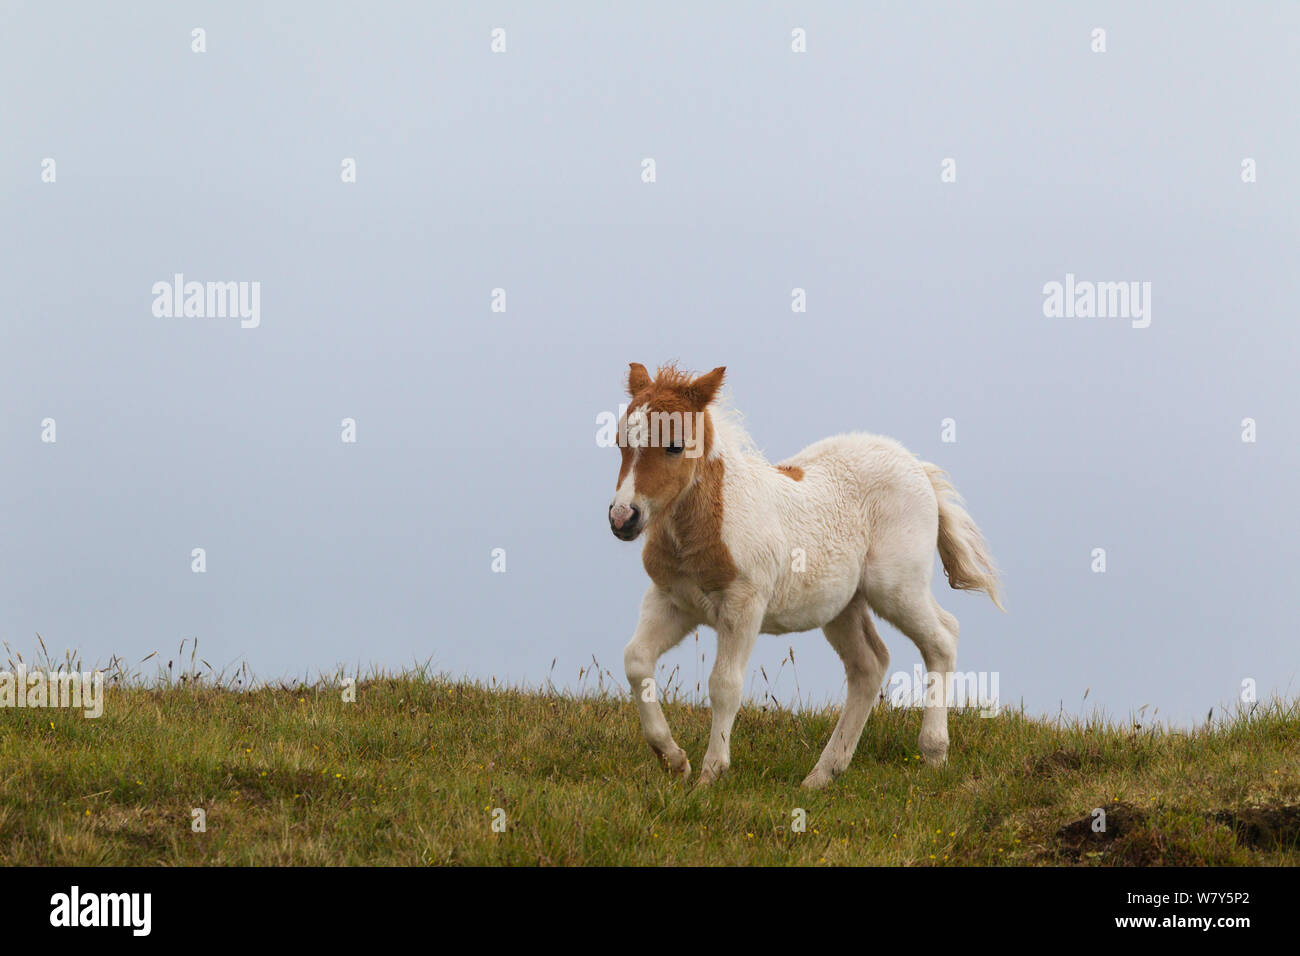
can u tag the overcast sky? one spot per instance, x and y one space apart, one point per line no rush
523 170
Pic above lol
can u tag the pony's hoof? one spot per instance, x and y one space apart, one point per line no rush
934 749
935 756
710 774
818 779
677 765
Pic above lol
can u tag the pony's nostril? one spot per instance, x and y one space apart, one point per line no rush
624 519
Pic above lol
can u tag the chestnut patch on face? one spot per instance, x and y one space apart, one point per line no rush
684 534
791 471
662 473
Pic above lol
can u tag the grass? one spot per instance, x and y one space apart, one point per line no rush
412 772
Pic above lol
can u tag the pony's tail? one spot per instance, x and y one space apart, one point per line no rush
965 555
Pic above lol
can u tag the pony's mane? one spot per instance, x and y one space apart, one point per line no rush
729 429
670 376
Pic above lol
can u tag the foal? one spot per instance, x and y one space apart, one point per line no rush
845 527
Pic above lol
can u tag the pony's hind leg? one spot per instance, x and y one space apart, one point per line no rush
916 613
853 635
661 628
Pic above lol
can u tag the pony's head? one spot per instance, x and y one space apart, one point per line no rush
664 438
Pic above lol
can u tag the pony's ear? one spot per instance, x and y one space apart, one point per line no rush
703 390
637 378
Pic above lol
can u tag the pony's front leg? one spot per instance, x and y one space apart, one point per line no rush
661 628
737 631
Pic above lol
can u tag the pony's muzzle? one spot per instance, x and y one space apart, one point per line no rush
625 521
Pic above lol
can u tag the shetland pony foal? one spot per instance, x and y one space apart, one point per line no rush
845 527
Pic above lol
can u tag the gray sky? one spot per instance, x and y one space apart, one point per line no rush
522 170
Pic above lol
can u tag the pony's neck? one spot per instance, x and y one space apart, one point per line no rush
686 541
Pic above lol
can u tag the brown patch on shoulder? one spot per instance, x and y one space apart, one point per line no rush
688 542
791 471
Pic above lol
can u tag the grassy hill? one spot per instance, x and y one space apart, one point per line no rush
413 771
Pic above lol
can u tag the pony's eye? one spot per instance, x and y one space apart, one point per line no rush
673 449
